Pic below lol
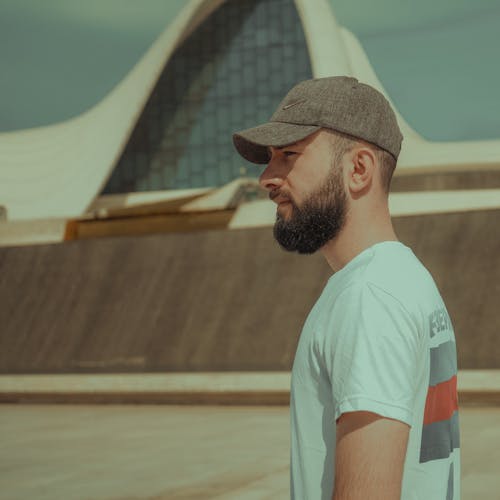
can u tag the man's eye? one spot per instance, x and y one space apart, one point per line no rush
289 153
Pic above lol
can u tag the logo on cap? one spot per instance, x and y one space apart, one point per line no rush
300 101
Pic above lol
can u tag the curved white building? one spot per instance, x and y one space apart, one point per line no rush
218 66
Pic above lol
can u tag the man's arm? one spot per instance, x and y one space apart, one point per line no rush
369 456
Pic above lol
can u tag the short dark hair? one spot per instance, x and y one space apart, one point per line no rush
343 143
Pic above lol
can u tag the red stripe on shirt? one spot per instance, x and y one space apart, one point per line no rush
442 401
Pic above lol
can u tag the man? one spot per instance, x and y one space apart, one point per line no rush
374 412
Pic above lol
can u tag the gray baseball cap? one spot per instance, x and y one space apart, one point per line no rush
338 103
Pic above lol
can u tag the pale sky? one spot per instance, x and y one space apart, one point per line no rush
438 59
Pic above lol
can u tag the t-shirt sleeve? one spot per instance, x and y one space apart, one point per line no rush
371 353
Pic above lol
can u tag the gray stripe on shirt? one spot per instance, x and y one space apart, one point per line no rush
443 362
439 439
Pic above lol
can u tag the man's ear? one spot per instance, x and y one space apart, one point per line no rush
362 169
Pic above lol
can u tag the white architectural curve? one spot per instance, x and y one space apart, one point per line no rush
418 154
334 50
57 170
327 53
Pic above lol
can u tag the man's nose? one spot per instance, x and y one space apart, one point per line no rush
272 177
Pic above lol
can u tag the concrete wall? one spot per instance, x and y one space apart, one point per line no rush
216 300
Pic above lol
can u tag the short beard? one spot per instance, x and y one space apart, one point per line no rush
319 219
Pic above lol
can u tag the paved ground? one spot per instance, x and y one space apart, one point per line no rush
176 452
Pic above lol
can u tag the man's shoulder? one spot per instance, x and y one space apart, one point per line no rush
396 266
392 272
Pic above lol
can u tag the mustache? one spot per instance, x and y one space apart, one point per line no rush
276 192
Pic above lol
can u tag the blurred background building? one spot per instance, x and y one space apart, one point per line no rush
120 188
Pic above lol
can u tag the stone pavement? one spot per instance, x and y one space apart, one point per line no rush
182 452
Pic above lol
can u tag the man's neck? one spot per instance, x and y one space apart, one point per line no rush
359 233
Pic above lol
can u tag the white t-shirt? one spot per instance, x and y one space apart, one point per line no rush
378 339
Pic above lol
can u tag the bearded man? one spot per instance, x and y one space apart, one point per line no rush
373 400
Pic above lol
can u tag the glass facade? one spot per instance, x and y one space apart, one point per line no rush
230 74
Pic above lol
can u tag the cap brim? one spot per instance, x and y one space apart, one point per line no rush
253 143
